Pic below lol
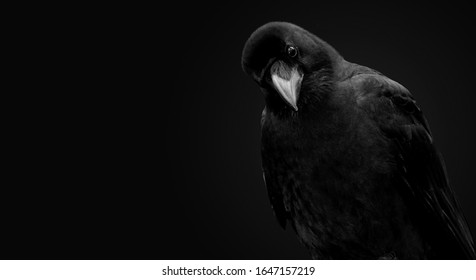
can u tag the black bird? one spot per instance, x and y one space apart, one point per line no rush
348 158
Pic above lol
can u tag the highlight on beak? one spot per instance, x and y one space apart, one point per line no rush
287 81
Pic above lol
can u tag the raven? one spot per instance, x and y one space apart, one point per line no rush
348 157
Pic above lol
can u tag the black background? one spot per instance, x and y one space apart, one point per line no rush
160 159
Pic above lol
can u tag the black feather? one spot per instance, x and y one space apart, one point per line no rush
436 212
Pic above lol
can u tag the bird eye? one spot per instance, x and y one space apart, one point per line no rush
292 51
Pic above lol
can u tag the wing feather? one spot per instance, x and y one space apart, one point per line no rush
274 188
422 171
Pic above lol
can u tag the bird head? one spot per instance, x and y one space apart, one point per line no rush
279 56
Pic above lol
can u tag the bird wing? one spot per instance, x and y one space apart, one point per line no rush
421 167
270 177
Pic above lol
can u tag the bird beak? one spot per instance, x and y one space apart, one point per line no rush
287 82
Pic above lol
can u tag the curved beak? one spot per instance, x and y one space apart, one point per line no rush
287 81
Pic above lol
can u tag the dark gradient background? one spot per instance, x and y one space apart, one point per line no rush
170 168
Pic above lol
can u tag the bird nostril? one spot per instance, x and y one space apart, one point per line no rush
281 69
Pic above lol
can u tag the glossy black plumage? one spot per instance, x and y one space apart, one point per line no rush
354 170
